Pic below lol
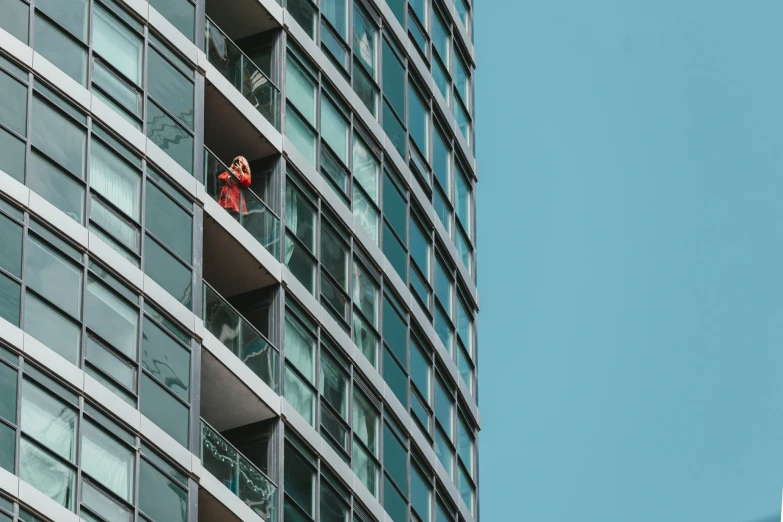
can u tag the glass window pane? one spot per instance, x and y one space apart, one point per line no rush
299 347
55 186
364 87
465 489
395 333
365 293
420 245
463 249
444 407
163 409
334 255
49 421
299 395
421 494
464 325
443 451
160 498
11 252
441 161
418 120
12 155
465 368
443 284
107 508
365 40
465 445
393 502
52 328
115 180
7 448
365 468
305 13
461 79
300 135
441 38
15 19
107 461
10 299
395 458
299 480
8 393
334 129
463 203
395 252
166 359
70 14
365 421
333 506
167 271
394 206
395 377
13 110
118 45
365 168
60 49
334 46
337 13
365 214
172 225
300 89
181 14
398 8
393 79
394 129
170 88
47 474
62 140
300 216
52 276
463 121
110 364
123 96
420 371
111 318
334 384
169 136
443 328
365 339
300 263
441 78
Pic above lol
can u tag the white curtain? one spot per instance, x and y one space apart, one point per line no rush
46 474
116 44
114 180
107 461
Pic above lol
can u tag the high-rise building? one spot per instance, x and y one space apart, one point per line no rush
237 261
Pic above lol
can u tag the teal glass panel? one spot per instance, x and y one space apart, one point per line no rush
299 395
418 120
333 504
111 318
168 272
47 474
420 371
465 488
300 89
398 8
123 96
463 249
366 168
8 382
394 129
441 161
170 136
441 78
395 377
336 11
393 502
443 451
163 409
166 359
419 412
15 19
337 52
117 44
395 252
465 368
444 408
12 155
443 284
181 14
366 90
111 365
300 480
441 38
170 88
443 328
52 328
13 110
365 40
365 468
420 245
108 509
172 225
395 333
60 49
11 241
393 79
54 277
463 121
57 136
394 206
334 129
465 445
49 421
55 186
305 14
300 135
421 494
107 461
120 230
463 203
7 448
395 458
365 421
164 464
366 214
159 498
70 14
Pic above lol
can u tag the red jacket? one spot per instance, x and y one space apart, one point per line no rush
230 192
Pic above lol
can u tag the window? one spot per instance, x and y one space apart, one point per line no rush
58 137
305 14
13 112
111 317
301 94
365 429
421 494
70 14
393 79
299 479
118 45
16 16
334 129
53 277
107 461
464 201
300 345
160 498
300 236
171 224
365 50
59 48
181 14
366 170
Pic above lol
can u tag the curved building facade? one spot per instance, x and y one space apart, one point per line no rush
238 262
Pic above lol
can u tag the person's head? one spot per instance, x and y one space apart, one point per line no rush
241 164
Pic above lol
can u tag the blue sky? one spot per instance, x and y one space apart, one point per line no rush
630 210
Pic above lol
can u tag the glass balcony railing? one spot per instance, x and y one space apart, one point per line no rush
238 335
240 70
237 473
242 203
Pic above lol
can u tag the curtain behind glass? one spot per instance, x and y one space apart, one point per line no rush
107 461
114 180
299 347
291 213
119 46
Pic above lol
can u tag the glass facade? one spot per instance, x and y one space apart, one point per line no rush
253 276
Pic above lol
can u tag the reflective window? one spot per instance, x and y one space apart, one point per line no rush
181 14
161 499
365 40
111 318
55 278
47 474
169 136
421 494
418 120
49 421
170 88
70 14
13 111
302 136
59 138
336 11
167 271
15 19
334 129
55 186
8 383
12 154
166 359
172 225
118 45
60 49
11 252
164 410
107 461
300 89
393 79
52 328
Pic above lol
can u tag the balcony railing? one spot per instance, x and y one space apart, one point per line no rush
238 335
252 213
243 74
237 473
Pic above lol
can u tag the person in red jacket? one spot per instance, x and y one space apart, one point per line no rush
230 191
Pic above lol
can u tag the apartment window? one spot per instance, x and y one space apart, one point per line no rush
335 255
305 14
300 219
181 14
55 44
441 168
365 50
441 44
365 316
334 129
300 352
301 94
395 237
161 498
58 137
365 447
107 461
16 16
418 120
395 461
335 383
8 420
300 482
394 95
421 493
366 171
420 248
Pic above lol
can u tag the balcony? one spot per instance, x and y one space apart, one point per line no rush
226 400
238 474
